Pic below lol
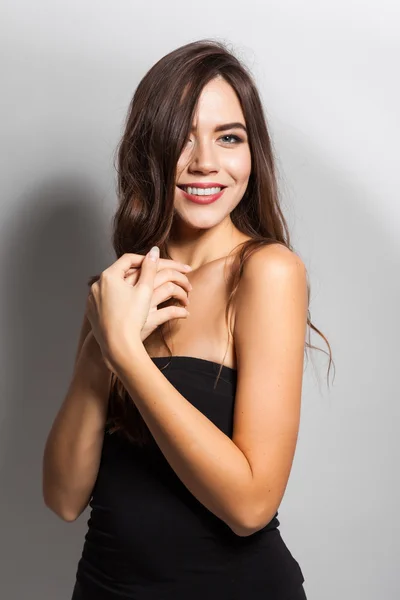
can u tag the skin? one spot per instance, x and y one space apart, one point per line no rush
202 234
241 480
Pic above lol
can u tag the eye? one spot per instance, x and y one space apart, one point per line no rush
236 139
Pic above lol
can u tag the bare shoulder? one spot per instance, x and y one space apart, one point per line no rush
273 260
268 274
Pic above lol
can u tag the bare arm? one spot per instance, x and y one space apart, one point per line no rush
72 453
73 448
85 330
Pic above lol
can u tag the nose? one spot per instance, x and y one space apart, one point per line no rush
203 158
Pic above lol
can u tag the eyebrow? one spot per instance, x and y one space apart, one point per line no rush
225 126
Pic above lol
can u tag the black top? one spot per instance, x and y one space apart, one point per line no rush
149 538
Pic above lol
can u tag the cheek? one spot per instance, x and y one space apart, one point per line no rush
183 162
239 165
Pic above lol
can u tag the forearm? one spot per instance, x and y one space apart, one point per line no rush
206 460
73 449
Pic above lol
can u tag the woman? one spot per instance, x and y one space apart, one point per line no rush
184 457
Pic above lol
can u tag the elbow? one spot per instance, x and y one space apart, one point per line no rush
62 509
245 525
251 520
68 517
241 531
245 529
64 515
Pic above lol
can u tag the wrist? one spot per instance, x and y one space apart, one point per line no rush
123 357
91 381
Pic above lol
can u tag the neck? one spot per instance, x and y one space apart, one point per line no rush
199 247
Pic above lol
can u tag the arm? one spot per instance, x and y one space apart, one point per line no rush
86 328
73 448
240 480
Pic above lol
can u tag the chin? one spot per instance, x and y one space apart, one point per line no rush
202 223
201 217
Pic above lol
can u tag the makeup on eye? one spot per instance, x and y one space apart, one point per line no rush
225 127
237 139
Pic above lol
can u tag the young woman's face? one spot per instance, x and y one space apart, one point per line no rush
213 158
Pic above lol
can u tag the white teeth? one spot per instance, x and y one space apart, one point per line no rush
202 191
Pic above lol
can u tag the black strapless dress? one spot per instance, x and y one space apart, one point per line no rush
149 538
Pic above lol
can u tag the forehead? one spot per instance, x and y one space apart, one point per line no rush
218 103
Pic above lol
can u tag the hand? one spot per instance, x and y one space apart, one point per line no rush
118 311
170 271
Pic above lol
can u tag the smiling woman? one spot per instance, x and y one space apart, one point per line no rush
184 458
207 152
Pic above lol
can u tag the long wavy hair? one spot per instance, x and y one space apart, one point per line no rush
157 126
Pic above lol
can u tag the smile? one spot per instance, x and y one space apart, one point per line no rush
201 195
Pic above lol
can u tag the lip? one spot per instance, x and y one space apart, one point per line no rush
202 199
202 184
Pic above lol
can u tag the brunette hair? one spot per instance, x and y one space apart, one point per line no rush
157 126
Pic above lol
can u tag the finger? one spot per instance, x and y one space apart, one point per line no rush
169 290
172 275
129 260
124 263
149 269
162 277
132 277
165 263
166 314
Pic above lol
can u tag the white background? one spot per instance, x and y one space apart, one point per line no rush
328 73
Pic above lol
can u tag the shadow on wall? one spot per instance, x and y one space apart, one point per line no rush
57 239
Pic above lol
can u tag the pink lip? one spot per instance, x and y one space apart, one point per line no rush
203 184
202 199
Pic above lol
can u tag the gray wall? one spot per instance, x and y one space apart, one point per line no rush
327 74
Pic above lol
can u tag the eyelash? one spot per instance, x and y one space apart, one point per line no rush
231 135
238 140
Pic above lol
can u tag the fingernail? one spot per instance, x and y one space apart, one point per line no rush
188 267
154 253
